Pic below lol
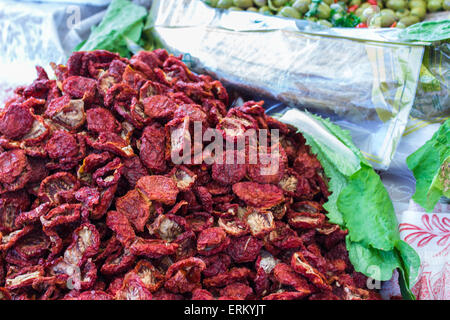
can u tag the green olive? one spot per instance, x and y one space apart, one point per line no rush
235 9
359 12
434 5
290 12
323 11
386 20
301 6
400 25
328 2
243 4
213 3
409 20
265 10
355 2
446 5
417 3
387 11
224 4
402 13
278 3
325 23
252 9
396 4
419 12
260 3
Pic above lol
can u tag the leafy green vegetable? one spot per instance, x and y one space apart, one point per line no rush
430 165
121 26
427 31
359 203
348 20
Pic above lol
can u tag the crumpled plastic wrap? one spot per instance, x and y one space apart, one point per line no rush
37 33
368 87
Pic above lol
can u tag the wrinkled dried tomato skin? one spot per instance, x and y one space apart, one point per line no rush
95 203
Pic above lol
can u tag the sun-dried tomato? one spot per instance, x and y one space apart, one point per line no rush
78 87
118 263
133 289
301 266
232 168
12 205
226 278
260 222
168 227
237 290
136 208
16 121
102 120
158 188
184 275
9 240
234 226
244 249
258 195
66 112
15 170
58 187
153 248
152 148
199 221
306 215
211 241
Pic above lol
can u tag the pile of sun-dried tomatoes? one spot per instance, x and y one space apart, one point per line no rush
92 207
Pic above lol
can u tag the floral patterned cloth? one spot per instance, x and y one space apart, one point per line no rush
429 235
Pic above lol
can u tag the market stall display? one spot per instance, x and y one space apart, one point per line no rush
107 193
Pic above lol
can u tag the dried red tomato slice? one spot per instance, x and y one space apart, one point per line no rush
85 244
12 205
136 208
119 223
232 168
153 248
78 87
301 266
152 148
102 120
158 188
211 241
159 107
238 291
15 170
58 187
199 221
66 112
16 121
168 227
244 249
133 289
184 275
258 195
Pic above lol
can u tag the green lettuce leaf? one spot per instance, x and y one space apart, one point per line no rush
359 203
121 26
430 165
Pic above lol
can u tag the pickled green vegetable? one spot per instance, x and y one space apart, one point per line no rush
342 13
